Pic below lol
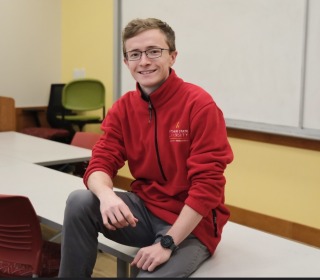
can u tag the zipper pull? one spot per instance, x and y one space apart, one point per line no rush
150 110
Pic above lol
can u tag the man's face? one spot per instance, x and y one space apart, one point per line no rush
150 73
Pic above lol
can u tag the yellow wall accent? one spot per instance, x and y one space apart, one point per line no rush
279 181
275 180
87 42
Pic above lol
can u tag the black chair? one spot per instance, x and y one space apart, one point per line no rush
59 129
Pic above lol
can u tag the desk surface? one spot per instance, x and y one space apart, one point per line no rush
247 252
47 189
243 252
40 151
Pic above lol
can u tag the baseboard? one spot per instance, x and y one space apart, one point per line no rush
280 227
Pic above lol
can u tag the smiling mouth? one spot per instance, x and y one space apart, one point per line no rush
146 72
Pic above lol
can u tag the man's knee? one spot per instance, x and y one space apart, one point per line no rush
79 201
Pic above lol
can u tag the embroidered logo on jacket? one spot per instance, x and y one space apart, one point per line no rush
178 135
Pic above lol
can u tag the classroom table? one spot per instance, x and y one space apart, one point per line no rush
243 251
48 190
40 151
247 252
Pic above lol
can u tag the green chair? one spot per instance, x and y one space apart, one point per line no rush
81 96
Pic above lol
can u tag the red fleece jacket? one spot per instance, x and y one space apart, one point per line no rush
176 145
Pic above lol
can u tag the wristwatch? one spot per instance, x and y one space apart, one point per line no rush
168 243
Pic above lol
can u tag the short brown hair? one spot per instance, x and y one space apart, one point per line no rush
136 26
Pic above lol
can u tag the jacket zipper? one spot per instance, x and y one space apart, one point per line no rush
214 217
150 108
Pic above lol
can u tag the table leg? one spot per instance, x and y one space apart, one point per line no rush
122 269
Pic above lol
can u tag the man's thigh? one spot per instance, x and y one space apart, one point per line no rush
142 234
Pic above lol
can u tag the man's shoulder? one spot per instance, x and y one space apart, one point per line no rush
196 93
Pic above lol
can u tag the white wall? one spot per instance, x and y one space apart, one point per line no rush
30 49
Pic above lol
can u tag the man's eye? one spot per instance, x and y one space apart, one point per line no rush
134 54
154 51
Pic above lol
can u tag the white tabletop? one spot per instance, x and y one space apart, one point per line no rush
243 251
46 188
246 252
38 150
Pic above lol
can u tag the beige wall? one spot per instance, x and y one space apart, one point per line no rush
30 50
282 182
87 42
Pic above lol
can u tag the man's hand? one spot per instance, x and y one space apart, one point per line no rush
148 258
115 213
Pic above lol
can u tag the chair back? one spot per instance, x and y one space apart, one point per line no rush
85 139
20 232
58 130
7 114
55 108
83 95
55 105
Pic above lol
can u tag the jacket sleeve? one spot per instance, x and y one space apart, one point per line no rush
108 154
210 153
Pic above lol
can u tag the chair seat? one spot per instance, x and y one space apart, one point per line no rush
46 132
50 263
82 118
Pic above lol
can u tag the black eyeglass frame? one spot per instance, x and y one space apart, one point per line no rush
146 52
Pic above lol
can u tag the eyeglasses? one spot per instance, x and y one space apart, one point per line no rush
151 53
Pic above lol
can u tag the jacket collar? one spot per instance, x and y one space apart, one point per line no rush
165 92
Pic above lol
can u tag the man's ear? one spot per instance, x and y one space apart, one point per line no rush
173 56
126 62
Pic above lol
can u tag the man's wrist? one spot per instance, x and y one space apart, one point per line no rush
167 242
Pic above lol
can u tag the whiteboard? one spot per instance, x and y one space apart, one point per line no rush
250 55
311 117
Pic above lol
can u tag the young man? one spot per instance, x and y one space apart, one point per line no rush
173 136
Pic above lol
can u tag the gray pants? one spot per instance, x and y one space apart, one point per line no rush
83 222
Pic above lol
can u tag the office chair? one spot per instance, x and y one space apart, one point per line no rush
85 139
7 114
23 252
59 130
81 96
82 139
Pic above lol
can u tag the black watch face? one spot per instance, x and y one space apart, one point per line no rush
166 241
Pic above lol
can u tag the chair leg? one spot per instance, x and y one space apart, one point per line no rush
81 126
